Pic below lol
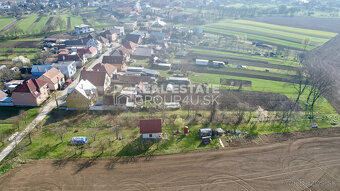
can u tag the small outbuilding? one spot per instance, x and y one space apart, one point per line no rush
150 128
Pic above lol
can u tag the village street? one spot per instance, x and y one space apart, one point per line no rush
46 109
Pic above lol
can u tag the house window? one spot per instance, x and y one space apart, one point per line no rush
150 135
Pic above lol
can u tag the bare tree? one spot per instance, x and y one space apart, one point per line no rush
92 132
302 79
320 85
101 145
239 118
305 43
116 130
60 132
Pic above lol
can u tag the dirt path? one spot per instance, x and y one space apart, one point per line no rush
311 163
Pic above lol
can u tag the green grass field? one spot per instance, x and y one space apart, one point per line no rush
316 33
322 106
256 37
4 21
282 34
76 20
26 23
39 25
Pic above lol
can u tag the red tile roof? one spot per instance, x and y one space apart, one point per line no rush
150 126
31 86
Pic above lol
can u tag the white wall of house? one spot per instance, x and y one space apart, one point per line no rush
151 135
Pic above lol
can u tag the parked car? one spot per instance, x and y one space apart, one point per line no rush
66 84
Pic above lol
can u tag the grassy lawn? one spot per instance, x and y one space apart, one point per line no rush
46 144
76 20
4 21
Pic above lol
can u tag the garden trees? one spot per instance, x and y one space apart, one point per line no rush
60 23
302 79
16 30
305 43
179 122
92 132
320 84
59 132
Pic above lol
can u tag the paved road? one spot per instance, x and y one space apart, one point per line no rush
45 110
309 164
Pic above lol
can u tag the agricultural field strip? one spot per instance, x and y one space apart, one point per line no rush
315 33
234 55
39 25
242 73
262 85
276 34
257 37
29 30
27 22
279 33
5 21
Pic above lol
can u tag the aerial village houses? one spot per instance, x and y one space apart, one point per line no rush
150 128
108 68
81 29
54 78
90 52
116 61
79 60
83 96
67 68
32 92
101 80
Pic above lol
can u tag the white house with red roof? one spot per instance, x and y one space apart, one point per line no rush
150 128
31 92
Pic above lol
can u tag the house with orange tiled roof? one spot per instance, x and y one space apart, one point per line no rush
54 78
31 92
